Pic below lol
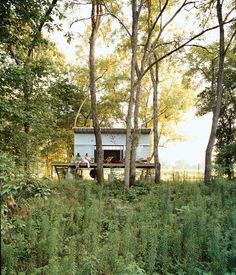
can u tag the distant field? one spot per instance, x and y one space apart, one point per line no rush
182 175
166 174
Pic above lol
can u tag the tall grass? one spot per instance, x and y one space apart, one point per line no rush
173 228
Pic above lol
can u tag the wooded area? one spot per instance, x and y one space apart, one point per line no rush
41 94
138 64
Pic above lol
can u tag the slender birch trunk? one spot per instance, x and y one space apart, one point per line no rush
95 21
218 101
139 73
155 81
134 38
135 138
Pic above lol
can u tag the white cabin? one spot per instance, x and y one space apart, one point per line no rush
113 143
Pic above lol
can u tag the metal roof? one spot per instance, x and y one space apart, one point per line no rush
87 130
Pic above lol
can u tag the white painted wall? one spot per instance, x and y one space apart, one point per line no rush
84 143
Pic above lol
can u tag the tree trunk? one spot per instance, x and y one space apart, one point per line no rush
139 72
218 101
26 153
78 113
155 81
135 138
132 92
95 20
27 89
26 126
67 139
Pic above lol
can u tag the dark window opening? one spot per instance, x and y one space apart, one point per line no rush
111 156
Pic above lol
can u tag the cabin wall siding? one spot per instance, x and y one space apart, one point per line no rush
85 142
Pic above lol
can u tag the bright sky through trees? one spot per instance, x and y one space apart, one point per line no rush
194 129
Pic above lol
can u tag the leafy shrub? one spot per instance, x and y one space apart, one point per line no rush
29 188
129 269
36 188
7 167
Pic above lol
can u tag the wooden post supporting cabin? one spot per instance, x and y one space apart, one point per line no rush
61 166
51 172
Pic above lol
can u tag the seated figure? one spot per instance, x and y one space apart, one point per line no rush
78 160
87 159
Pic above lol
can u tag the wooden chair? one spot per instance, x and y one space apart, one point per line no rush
108 160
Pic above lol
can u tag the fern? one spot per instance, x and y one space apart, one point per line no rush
31 231
151 258
43 241
53 266
8 258
109 253
130 269
162 251
53 240
69 265
215 251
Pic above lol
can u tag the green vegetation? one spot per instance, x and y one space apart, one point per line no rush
82 228
226 134
142 75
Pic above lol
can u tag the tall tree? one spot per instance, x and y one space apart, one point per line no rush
96 13
226 135
155 82
134 39
219 91
157 42
226 131
39 74
152 39
20 35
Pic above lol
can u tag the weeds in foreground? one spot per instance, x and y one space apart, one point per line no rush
84 229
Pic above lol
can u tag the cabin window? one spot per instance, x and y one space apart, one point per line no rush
112 154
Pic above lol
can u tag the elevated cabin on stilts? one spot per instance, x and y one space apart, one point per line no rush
113 141
114 147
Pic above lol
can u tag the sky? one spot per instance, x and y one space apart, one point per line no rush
192 150
196 130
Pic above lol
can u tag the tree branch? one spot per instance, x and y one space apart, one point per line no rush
13 55
78 113
140 7
117 18
228 14
78 20
150 30
199 46
101 76
39 29
183 45
159 15
230 40
171 19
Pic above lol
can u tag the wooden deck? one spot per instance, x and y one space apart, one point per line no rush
62 167
105 165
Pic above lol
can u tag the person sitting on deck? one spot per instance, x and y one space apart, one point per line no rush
78 160
87 159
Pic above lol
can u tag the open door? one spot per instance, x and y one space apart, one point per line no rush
112 154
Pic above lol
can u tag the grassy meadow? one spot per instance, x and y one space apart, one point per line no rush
78 227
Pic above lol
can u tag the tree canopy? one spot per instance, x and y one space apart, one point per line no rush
42 96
